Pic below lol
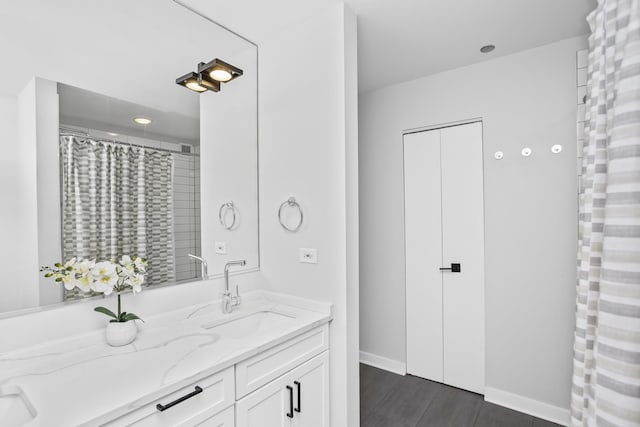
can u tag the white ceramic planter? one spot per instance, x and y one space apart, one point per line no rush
121 333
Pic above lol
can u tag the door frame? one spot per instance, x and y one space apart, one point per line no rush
404 230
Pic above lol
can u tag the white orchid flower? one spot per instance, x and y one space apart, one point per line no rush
104 283
104 268
135 282
140 264
83 282
84 266
70 263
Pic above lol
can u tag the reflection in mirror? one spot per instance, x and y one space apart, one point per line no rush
86 179
127 191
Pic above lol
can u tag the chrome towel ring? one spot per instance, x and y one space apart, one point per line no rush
291 201
222 215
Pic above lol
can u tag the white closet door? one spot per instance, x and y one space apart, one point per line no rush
463 242
444 224
423 240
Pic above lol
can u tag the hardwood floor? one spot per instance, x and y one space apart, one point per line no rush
390 400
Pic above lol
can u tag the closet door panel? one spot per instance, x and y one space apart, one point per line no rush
463 242
423 250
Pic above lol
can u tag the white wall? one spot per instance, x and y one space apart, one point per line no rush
229 165
17 232
308 138
525 99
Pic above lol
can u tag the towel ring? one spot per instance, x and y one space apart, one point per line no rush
222 215
291 201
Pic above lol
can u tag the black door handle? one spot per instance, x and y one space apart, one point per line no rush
455 268
298 387
160 407
290 413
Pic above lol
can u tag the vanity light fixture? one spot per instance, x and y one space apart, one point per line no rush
219 70
142 120
209 76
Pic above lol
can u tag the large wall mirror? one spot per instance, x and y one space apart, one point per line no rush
126 161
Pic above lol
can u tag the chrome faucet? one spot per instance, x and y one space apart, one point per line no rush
204 267
229 301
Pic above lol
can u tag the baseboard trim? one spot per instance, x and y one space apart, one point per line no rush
380 362
528 406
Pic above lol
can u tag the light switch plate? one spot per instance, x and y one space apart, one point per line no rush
308 255
221 248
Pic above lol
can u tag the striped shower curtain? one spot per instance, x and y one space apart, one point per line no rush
117 200
606 376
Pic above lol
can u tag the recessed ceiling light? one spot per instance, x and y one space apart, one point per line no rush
142 120
487 48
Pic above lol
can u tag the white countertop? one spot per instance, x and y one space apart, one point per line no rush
80 380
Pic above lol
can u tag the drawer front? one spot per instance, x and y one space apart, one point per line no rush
255 372
217 394
225 418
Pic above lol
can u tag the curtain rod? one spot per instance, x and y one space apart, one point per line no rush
86 136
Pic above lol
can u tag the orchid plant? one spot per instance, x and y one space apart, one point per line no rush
105 277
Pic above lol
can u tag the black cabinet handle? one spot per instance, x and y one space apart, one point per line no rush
290 413
162 407
455 268
298 387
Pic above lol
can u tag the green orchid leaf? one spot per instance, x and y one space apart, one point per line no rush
131 316
106 311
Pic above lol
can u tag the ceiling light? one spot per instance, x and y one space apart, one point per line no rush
219 70
487 48
142 120
190 81
112 134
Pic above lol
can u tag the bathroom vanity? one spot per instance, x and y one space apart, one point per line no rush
266 363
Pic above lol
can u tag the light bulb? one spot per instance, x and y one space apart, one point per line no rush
220 75
142 120
195 87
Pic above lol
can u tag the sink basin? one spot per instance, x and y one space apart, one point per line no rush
15 409
249 324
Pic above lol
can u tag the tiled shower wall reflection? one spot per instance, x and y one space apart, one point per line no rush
186 210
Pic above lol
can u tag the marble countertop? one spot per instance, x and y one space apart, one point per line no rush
80 380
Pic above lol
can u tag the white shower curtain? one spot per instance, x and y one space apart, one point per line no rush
606 377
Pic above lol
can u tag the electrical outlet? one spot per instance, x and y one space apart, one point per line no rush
308 255
221 248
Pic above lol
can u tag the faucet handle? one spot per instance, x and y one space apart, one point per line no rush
238 298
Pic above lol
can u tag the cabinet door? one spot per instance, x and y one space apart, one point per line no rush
302 392
268 406
311 393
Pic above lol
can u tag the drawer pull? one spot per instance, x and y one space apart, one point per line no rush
298 387
162 407
290 413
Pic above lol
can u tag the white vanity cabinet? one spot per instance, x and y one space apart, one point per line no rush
297 398
285 385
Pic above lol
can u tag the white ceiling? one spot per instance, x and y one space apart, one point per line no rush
91 110
400 40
